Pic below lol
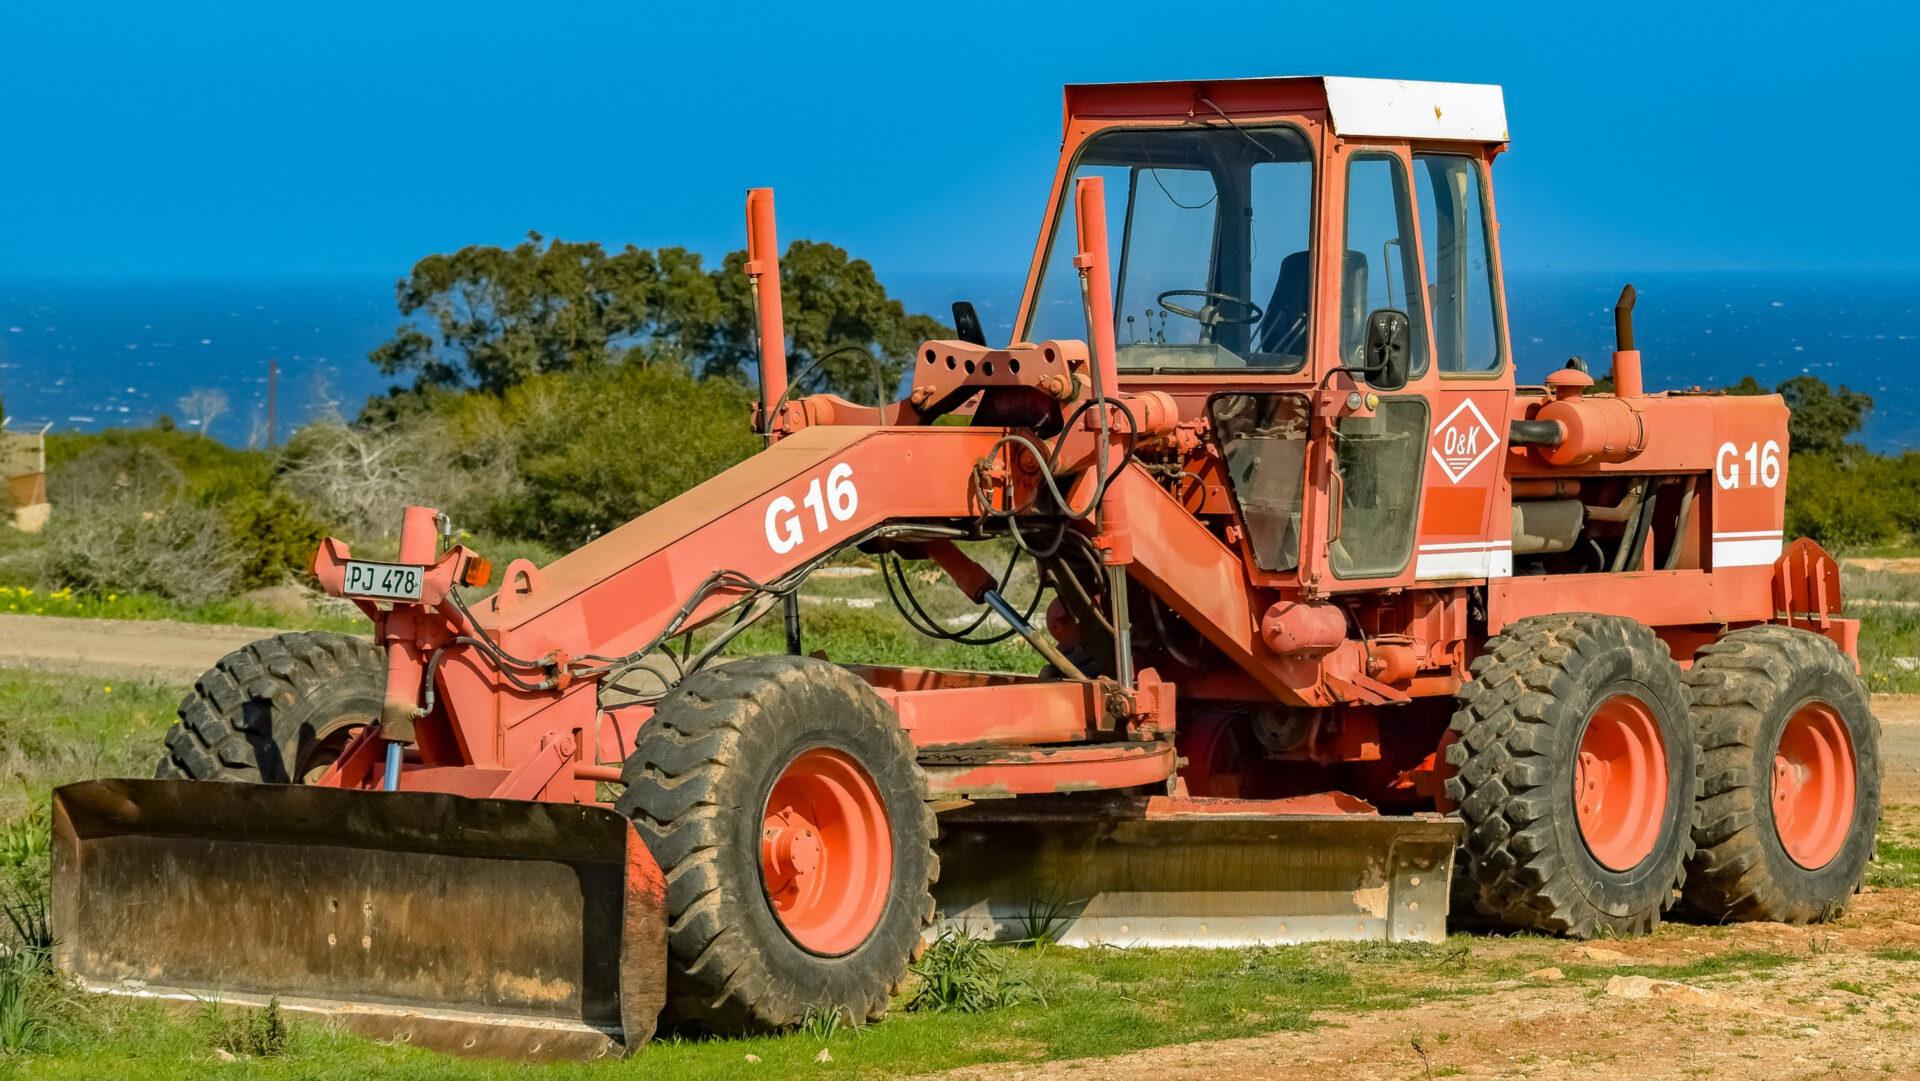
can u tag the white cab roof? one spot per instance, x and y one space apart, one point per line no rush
1385 108
1404 109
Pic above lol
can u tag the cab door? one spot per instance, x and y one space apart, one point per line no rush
1465 532
1370 446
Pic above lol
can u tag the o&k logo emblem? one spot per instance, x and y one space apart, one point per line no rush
1463 441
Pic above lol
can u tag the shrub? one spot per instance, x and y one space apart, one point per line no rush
1840 502
361 478
210 471
277 536
111 477
1900 480
183 552
563 458
126 525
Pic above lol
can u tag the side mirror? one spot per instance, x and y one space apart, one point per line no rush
1386 352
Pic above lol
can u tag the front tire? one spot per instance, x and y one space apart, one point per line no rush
1575 775
783 802
277 711
1790 771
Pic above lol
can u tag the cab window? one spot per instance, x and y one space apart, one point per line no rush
1263 441
1208 228
1376 466
1379 269
1459 265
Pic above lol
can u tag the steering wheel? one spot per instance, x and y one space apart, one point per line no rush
1209 315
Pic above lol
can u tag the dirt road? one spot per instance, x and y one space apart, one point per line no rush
155 649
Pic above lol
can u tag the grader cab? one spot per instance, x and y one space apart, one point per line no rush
1342 626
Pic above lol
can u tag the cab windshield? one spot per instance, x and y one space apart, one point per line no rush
1209 229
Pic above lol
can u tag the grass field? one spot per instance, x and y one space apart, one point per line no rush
60 728
1885 597
1086 1002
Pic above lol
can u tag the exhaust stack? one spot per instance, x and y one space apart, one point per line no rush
1626 359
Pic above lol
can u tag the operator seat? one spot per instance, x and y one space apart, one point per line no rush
1282 331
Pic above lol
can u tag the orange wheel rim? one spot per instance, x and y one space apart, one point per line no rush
1620 783
1813 785
826 852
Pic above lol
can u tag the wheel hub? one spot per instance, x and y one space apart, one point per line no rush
826 852
1620 783
789 850
1813 785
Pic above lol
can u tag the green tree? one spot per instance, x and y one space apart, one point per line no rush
491 318
1823 417
836 312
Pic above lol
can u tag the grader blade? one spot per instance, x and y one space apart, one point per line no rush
479 926
1195 872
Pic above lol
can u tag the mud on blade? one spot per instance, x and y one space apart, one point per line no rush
1194 872
495 927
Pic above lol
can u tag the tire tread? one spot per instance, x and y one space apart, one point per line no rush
1735 683
1504 775
717 981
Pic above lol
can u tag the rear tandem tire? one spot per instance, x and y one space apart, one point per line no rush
1749 689
275 711
1563 707
701 789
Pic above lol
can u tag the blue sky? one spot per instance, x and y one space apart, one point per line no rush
284 138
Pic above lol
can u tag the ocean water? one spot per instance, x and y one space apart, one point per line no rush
85 354
1707 330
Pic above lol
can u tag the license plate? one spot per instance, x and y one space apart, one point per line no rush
388 581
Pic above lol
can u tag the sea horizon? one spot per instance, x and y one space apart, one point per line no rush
82 352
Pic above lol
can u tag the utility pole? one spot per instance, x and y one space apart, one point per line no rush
273 388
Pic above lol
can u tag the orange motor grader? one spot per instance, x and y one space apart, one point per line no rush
1343 628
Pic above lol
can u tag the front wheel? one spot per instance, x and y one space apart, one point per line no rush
783 802
1790 768
276 711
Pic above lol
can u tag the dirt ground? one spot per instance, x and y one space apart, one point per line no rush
1840 1013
